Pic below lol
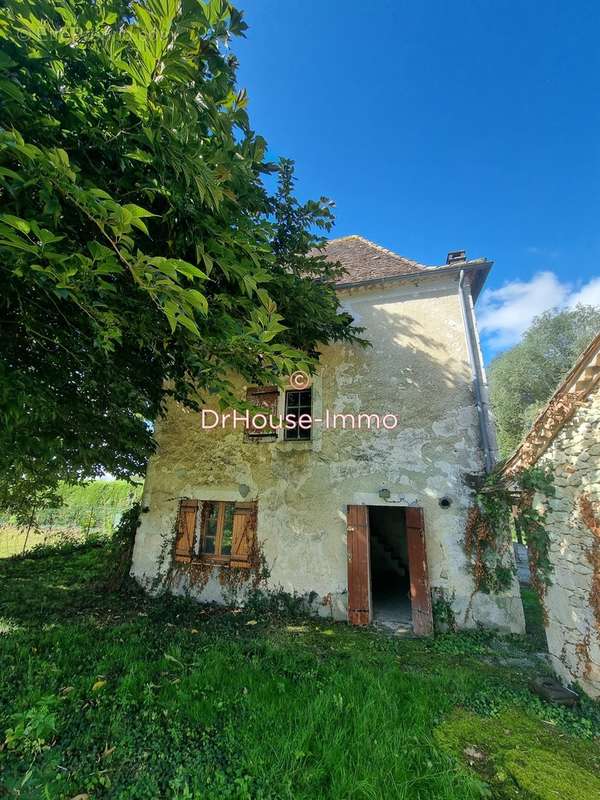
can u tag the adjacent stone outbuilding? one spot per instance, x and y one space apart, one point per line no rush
566 438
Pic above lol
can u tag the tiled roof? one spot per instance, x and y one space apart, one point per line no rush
583 379
363 260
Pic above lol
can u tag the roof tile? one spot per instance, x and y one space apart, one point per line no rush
364 260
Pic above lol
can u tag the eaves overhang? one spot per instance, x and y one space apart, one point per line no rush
476 271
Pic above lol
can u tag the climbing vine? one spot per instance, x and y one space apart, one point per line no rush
592 522
530 520
165 562
498 500
236 581
444 618
121 548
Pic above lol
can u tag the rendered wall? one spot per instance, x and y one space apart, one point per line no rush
417 368
573 630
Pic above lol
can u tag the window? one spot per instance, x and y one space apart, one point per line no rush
218 531
265 397
297 404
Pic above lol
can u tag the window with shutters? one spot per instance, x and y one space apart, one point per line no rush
298 407
265 398
216 531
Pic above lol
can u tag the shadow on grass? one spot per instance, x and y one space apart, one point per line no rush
120 695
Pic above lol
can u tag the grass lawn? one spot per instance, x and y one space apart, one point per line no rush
15 541
119 696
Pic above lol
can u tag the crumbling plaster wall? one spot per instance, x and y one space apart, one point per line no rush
417 368
572 630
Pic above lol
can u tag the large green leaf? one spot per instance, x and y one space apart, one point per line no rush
142 258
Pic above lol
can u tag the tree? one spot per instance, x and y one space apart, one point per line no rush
140 254
304 287
524 378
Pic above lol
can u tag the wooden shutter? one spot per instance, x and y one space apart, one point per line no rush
243 543
265 397
359 571
420 592
186 530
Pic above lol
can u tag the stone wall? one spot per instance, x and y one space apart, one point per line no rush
573 629
416 368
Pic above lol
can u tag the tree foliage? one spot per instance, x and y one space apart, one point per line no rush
140 254
524 378
303 288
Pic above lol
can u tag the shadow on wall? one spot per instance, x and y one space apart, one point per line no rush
418 366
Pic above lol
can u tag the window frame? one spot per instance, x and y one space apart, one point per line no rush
293 434
202 524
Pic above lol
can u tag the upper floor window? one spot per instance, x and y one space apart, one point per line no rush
298 406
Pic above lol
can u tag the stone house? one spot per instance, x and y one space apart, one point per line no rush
566 438
362 518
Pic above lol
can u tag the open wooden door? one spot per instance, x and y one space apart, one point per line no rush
420 593
359 571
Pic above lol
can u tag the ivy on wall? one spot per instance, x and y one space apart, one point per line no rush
530 519
500 500
236 582
592 523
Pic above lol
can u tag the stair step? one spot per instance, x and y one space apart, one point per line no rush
390 555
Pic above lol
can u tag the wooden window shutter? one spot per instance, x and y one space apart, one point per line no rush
186 530
243 545
265 397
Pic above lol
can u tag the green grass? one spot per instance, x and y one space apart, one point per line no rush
121 696
16 541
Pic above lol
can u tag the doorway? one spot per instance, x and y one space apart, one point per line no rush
390 570
387 568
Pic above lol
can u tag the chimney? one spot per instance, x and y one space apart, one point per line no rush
455 256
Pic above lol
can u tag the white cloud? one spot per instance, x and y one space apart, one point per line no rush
506 313
588 295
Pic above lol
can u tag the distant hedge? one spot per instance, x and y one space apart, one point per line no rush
96 506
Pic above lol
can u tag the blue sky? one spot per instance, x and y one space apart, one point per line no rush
444 125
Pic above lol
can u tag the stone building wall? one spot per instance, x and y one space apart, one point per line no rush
416 368
573 628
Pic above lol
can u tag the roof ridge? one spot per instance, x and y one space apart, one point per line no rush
557 411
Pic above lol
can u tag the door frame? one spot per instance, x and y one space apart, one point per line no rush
360 606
